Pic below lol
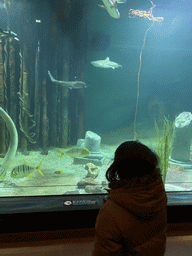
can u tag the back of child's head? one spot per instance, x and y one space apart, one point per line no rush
132 159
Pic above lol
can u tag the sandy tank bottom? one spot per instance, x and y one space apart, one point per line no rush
57 184
51 183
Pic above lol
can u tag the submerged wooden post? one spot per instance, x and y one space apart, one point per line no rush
53 138
82 45
64 117
64 109
25 102
180 153
37 96
13 93
81 114
44 117
2 98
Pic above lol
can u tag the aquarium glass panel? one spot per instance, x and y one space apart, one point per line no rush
80 77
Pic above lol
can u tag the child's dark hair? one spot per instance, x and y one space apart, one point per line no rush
132 159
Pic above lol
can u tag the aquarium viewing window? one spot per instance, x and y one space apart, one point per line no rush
78 78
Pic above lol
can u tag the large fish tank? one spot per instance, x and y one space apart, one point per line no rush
141 77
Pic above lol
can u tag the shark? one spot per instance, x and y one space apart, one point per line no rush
67 84
8 34
111 7
105 64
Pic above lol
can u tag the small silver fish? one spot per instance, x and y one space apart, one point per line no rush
24 170
105 64
70 85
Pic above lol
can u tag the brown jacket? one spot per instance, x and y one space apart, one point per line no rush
133 221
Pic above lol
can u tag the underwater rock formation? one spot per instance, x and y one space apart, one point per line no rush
85 182
92 142
93 189
182 140
93 170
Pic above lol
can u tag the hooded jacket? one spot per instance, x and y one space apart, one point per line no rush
132 221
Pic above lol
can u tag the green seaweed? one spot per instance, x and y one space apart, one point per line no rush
164 145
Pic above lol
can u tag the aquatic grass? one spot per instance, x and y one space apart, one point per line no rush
164 145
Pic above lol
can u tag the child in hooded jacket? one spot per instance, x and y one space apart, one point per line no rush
133 219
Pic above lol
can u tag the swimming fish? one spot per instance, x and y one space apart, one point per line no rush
67 84
77 152
73 152
105 64
24 170
59 151
58 172
62 153
111 7
8 34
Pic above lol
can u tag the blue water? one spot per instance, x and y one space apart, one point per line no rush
165 76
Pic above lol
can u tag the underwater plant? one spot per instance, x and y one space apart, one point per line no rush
164 145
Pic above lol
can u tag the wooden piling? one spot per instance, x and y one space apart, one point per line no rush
44 117
24 102
37 93
64 132
2 98
13 92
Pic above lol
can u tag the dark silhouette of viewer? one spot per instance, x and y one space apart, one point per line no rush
133 219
